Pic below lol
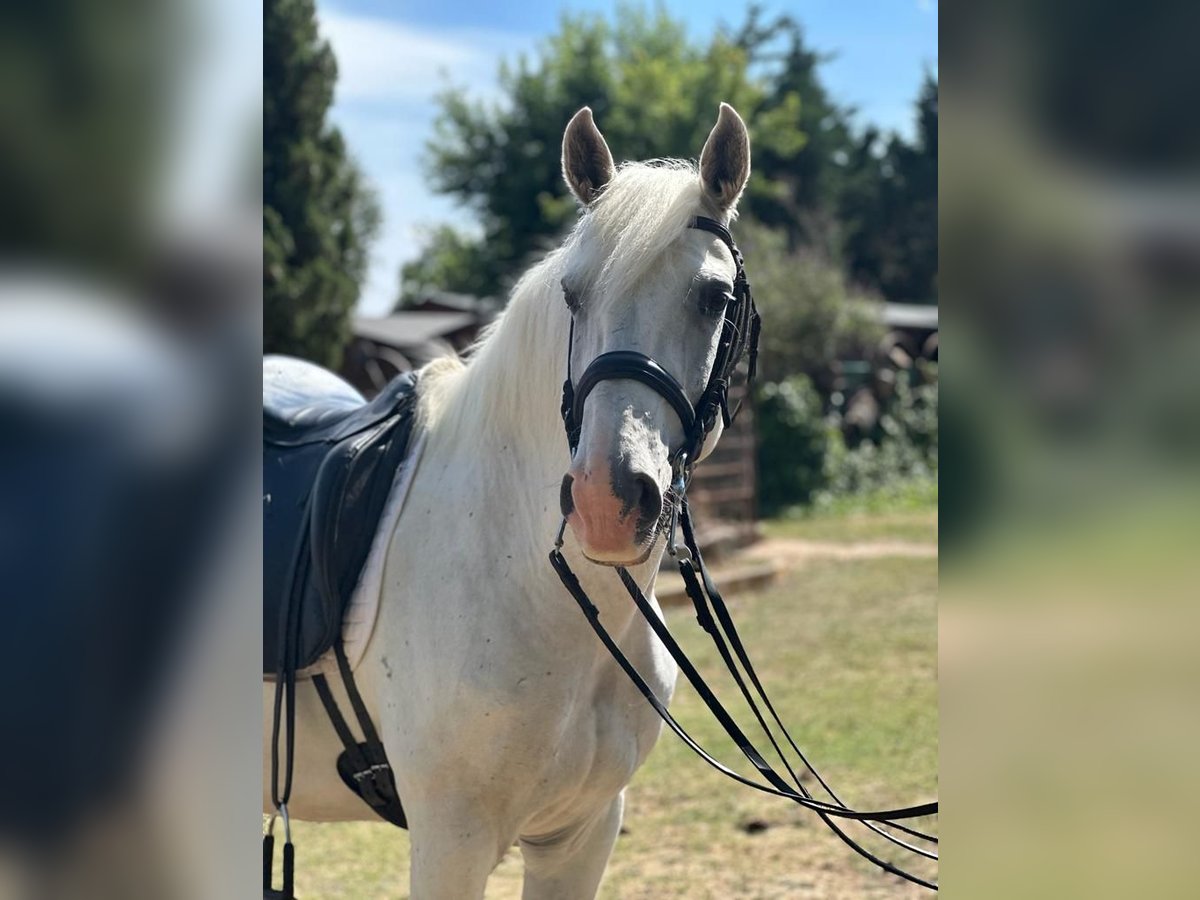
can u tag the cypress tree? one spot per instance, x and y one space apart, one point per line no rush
318 214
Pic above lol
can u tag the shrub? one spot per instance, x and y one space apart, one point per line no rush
804 459
794 440
811 316
905 450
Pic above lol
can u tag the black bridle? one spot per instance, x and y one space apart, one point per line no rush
739 339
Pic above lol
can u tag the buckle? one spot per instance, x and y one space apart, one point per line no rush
378 767
362 776
678 489
680 471
679 484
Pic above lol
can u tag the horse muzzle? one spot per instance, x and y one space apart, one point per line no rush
613 511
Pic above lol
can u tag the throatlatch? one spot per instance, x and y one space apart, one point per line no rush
739 339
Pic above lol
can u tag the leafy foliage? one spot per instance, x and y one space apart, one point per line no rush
318 215
813 316
801 136
889 209
794 444
906 448
804 459
654 91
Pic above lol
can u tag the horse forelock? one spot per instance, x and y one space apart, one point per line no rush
645 209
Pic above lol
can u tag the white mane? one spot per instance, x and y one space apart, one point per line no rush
643 210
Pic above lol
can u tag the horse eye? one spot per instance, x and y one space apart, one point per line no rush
714 300
570 296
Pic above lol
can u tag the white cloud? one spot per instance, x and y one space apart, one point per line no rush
381 59
388 75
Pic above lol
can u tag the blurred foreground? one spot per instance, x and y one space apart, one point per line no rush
130 260
1070 419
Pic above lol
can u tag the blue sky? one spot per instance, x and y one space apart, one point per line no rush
395 56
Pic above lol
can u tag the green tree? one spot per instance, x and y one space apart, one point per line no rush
847 198
813 317
913 206
889 208
654 92
802 137
318 215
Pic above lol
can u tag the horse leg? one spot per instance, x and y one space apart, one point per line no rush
571 862
455 847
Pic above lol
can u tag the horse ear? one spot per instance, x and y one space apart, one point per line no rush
725 159
587 164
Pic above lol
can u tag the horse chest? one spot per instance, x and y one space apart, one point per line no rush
499 678
580 737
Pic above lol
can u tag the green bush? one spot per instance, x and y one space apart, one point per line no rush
905 449
804 460
812 316
794 442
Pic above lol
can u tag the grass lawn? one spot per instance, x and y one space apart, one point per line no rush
916 527
907 514
848 649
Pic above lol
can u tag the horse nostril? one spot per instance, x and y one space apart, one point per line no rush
565 501
647 498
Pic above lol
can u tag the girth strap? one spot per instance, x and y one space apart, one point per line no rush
364 766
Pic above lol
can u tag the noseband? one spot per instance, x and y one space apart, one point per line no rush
739 337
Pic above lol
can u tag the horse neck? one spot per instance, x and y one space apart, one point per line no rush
495 421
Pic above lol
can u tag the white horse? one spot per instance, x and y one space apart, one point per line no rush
504 718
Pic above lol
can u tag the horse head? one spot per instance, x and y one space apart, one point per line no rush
650 276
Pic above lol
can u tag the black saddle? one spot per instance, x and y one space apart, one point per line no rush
329 460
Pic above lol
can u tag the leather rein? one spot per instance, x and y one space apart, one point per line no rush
739 340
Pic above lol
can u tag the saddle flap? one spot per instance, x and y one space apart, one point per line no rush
323 496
